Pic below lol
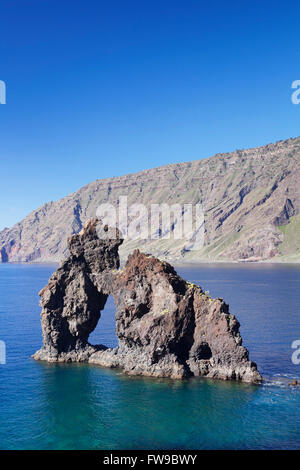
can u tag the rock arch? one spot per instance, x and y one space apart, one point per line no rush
105 331
166 327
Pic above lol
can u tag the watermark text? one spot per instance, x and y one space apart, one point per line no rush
296 353
2 92
2 352
154 222
296 94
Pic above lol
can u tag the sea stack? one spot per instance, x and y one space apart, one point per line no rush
166 327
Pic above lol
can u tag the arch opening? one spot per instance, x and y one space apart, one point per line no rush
105 331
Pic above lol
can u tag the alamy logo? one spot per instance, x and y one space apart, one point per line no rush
296 95
2 92
296 354
2 353
154 222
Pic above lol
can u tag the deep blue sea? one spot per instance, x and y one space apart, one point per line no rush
65 406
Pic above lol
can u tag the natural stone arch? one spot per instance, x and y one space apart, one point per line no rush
105 330
75 295
166 327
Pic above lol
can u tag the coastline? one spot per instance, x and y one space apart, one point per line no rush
176 262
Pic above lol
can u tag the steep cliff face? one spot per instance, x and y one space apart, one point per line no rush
251 201
166 327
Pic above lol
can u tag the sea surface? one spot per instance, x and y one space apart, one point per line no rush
73 406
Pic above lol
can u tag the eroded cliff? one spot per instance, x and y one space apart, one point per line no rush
250 198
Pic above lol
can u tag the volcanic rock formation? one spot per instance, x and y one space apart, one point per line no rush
166 327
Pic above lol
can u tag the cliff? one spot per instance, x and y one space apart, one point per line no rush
251 203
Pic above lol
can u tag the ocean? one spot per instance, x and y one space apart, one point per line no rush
81 406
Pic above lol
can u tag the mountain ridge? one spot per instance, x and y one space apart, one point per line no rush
250 197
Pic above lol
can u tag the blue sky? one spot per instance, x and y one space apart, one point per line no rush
98 89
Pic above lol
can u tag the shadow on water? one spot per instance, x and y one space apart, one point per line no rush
86 406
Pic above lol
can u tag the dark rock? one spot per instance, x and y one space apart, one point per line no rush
287 212
73 298
294 383
166 327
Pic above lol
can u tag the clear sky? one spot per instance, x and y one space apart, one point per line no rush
103 88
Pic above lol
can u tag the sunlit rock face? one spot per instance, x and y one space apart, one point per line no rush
166 327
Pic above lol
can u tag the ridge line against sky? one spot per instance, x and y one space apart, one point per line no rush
215 155
96 89
109 178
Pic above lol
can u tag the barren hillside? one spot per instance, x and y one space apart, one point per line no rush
251 200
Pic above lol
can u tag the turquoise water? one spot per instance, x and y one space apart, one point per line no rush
57 406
